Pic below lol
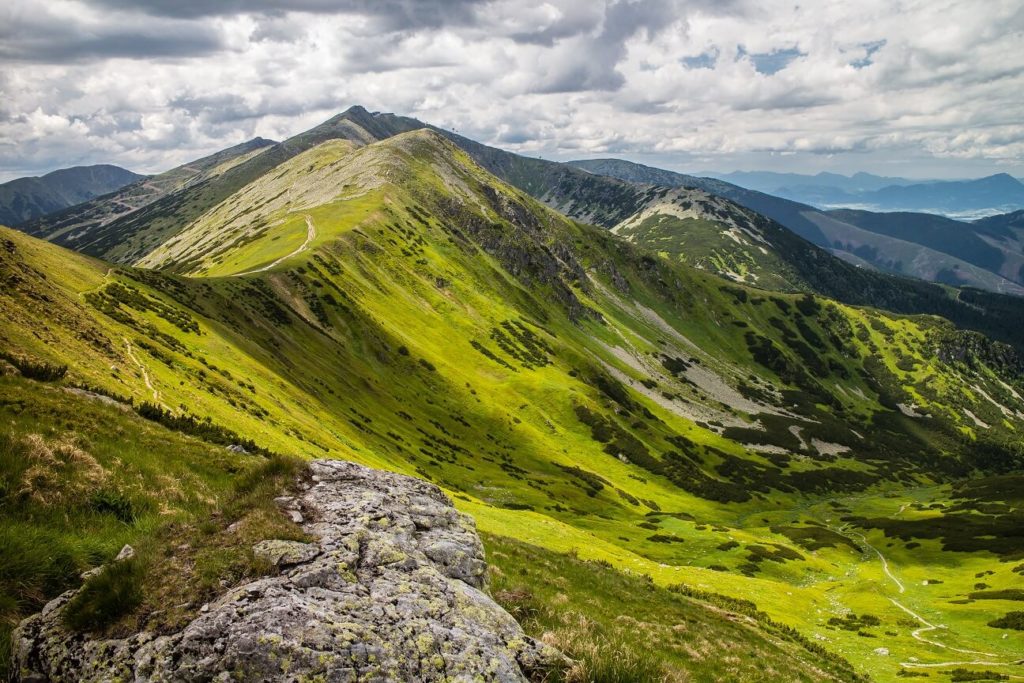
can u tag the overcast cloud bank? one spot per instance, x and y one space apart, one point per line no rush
915 88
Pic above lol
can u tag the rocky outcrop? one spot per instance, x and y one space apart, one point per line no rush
392 590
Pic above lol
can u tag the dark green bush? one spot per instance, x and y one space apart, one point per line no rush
35 369
961 675
114 503
1010 620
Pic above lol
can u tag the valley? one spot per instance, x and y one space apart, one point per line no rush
838 485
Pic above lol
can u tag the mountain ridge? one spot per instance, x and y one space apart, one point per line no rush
568 388
25 199
581 195
90 226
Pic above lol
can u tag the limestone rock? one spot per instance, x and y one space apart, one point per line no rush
285 553
392 591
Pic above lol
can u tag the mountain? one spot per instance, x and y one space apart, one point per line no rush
963 199
864 238
1002 225
713 234
941 249
787 184
790 264
93 227
24 199
791 473
993 194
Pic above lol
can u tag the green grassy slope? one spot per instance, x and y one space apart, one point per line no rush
125 227
581 195
712 234
570 390
80 476
612 622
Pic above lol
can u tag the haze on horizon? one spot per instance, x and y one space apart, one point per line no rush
915 89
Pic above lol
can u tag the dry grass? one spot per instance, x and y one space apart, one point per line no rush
58 470
600 657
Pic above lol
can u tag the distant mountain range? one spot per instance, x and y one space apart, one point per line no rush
964 199
920 245
24 199
771 182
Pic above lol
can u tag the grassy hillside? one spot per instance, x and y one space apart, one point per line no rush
707 232
81 475
570 390
127 226
127 230
918 245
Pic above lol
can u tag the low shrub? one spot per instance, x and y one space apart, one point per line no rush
35 369
1010 620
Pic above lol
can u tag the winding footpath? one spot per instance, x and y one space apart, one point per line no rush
927 626
310 236
884 561
142 367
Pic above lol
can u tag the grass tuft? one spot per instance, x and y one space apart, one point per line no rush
106 597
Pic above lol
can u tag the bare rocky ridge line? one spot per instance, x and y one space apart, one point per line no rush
393 589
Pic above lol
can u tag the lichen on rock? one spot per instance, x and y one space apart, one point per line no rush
393 590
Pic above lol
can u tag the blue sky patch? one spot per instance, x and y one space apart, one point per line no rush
769 63
705 60
866 60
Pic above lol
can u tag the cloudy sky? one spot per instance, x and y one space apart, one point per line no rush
922 88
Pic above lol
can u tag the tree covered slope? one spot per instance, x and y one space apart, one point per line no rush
392 302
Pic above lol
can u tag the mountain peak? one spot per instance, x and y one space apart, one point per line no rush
369 126
357 110
1003 179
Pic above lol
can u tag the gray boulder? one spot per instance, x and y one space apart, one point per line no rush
392 591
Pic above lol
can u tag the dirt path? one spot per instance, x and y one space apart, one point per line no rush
310 236
927 626
881 557
145 373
